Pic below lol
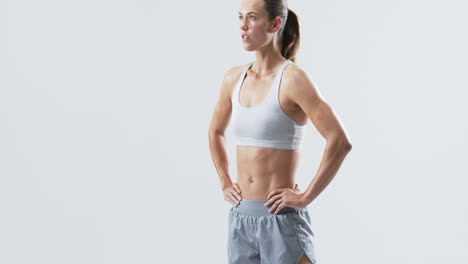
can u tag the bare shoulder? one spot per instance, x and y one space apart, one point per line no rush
304 93
299 84
223 108
230 78
233 73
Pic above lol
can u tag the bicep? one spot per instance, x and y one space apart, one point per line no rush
222 110
307 96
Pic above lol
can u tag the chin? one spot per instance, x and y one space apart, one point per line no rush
248 48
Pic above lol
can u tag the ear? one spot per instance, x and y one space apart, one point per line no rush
276 25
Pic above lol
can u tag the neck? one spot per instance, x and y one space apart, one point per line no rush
267 61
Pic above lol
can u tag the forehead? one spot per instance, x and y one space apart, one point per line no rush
248 6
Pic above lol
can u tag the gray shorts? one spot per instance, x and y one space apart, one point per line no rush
258 236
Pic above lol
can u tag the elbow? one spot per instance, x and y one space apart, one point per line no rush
341 145
346 143
213 133
348 146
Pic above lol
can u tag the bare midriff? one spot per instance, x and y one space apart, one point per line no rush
261 170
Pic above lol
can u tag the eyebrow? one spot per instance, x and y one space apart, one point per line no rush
249 13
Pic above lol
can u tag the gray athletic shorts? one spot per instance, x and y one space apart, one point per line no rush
258 236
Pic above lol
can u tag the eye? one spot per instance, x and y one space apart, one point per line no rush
253 17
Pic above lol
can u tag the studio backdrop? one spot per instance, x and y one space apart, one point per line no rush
105 108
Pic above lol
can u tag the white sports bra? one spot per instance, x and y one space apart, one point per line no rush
265 124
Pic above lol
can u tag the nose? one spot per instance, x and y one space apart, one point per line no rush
243 23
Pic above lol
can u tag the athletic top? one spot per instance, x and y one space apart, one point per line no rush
265 124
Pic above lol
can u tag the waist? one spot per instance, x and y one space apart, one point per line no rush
260 170
258 189
258 208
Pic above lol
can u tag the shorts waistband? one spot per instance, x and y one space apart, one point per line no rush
258 208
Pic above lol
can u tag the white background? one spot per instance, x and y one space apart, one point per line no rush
105 108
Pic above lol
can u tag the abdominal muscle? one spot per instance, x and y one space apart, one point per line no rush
261 170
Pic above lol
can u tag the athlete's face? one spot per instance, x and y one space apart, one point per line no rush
256 30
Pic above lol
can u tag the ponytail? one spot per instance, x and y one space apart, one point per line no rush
290 40
289 36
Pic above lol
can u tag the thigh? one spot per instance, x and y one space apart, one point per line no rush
304 260
286 239
278 241
241 245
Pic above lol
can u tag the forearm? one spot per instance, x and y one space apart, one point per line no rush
334 154
217 142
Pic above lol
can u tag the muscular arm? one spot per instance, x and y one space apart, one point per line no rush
216 133
305 94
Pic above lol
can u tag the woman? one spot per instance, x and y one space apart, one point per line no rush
269 221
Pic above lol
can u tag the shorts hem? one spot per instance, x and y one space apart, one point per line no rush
305 249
